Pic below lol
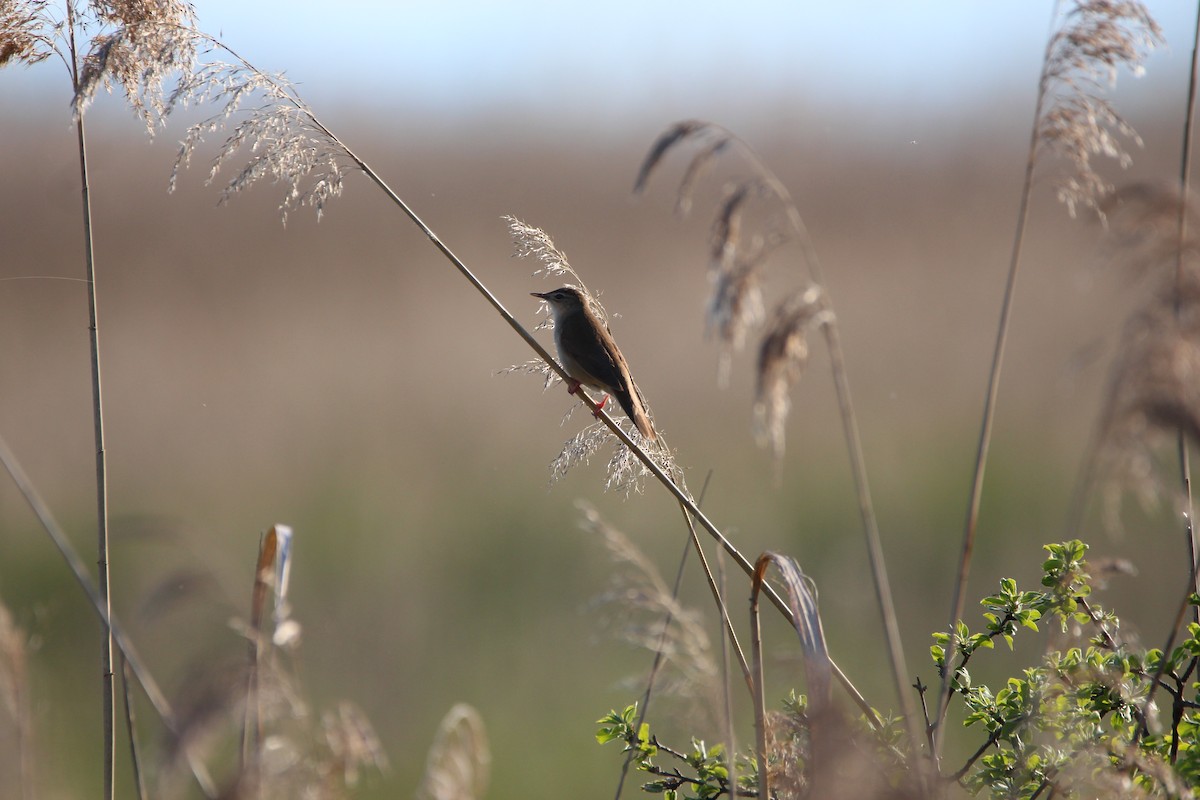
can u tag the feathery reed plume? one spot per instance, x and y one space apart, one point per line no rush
1141 224
737 256
14 697
149 42
1075 122
535 243
280 134
623 472
781 360
640 608
753 220
1154 384
25 32
459 763
351 745
135 44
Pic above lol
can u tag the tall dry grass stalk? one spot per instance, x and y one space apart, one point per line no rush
1072 122
136 44
738 255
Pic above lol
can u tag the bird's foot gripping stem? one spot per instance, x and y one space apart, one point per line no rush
600 407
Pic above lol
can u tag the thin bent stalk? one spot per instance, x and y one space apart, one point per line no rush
106 651
858 467
993 390
850 432
1185 169
759 694
139 780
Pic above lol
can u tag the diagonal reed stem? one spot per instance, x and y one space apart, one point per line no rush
153 693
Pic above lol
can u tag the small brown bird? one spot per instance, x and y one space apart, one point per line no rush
590 356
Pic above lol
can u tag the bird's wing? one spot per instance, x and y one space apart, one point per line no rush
594 353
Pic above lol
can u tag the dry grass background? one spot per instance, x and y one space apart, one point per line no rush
339 377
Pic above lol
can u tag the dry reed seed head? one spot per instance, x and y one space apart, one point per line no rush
1143 221
1142 224
672 136
579 449
535 243
14 685
624 471
152 42
736 305
638 607
700 165
280 135
726 234
782 357
26 32
536 367
458 766
352 743
1096 38
787 754
1154 392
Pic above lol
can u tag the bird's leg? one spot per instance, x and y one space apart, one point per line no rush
600 406
574 386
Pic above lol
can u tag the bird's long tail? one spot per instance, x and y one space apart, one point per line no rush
635 409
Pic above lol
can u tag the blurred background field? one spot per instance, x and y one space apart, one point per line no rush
339 377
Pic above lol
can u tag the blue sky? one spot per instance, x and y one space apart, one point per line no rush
547 61
618 52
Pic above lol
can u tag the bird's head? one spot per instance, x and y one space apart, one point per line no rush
563 301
